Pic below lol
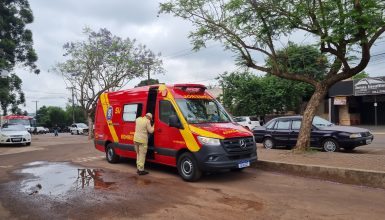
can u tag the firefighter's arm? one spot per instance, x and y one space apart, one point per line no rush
150 129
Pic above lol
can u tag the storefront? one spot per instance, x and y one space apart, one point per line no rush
354 102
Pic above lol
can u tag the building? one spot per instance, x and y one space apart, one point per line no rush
355 102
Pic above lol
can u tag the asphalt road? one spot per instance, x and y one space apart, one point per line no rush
66 178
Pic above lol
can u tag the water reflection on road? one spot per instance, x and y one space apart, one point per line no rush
55 179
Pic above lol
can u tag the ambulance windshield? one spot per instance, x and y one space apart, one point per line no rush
202 111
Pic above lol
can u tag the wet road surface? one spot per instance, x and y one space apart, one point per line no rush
68 179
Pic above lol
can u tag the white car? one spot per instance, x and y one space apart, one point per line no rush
39 130
14 134
248 122
78 128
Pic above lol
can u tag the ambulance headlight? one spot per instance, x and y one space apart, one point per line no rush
209 141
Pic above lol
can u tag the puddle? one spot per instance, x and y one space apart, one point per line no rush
56 179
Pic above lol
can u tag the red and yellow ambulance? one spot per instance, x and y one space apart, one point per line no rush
192 132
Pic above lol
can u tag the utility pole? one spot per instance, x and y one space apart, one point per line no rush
73 103
35 110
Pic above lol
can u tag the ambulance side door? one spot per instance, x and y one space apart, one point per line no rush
167 139
130 111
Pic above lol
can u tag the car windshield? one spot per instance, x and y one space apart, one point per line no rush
19 121
202 111
320 122
239 119
13 128
81 125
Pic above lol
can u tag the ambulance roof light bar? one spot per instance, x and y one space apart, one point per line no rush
185 87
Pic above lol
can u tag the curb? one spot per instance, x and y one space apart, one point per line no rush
348 176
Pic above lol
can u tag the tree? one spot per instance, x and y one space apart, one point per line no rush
11 94
79 114
103 62
147 82
16 44
344 31
16 47
51 116
361 75
247 94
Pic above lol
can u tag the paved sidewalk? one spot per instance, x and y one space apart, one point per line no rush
364 166
363 158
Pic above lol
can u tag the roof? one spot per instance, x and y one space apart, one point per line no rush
290 117
8 117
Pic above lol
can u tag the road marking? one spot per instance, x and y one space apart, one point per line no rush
5 167
87 159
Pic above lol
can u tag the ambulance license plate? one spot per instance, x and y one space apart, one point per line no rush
244 164
368 141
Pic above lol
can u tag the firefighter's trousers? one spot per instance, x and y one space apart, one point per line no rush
141 151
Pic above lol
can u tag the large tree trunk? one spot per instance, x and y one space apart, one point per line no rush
90 127
303 141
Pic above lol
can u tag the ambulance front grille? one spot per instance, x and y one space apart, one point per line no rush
238 145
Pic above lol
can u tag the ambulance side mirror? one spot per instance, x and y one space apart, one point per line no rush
173 121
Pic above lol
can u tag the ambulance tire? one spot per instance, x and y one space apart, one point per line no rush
188 167
111 156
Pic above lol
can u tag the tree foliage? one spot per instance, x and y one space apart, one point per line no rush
361 75
247 94
344 31
147 82
49 116
103 62
11 94
16 44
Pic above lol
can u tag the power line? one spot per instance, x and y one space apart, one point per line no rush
190 52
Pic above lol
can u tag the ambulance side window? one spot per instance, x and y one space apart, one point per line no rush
131 112
165 110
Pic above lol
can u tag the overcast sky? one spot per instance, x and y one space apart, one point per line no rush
60 21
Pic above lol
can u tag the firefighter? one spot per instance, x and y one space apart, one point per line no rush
142 129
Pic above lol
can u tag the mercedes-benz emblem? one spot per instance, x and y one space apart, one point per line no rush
242 143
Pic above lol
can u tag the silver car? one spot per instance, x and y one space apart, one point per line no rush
14 134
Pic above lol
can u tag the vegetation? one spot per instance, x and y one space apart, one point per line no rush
103 62
361 75
52 115
247 94
147 82
344 31
16 47
11 94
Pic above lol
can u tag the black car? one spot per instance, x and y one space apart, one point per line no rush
283 131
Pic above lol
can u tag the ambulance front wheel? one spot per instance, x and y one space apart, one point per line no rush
188 167
111 156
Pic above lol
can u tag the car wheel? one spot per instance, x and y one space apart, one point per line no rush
28 144
77 132
349 148
268 143
111 156
330 145
188 167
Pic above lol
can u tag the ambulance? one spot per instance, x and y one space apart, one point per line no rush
193 132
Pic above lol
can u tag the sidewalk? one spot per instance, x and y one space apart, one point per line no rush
364 166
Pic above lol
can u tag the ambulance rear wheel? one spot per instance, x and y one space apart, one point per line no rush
111 156
188 167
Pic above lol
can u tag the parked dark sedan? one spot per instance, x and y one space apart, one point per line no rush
283 131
